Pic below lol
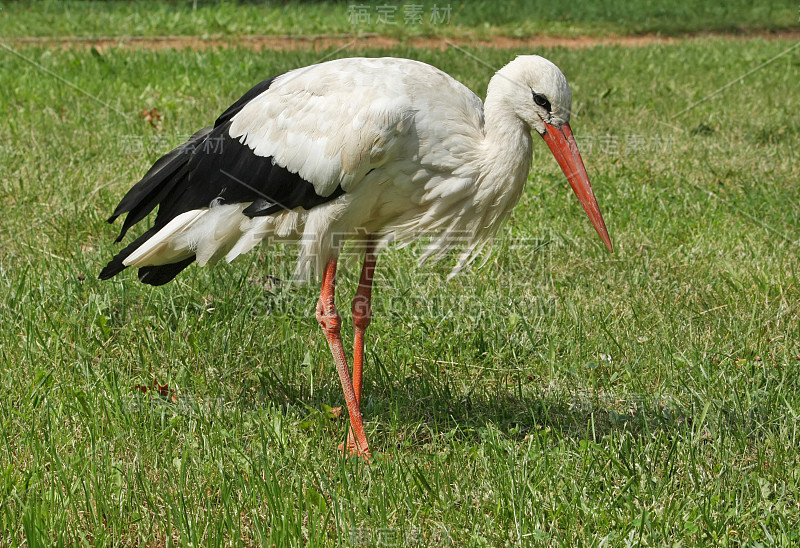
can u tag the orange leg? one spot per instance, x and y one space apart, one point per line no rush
362 314
331 324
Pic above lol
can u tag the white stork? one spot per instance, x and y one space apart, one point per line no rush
368 149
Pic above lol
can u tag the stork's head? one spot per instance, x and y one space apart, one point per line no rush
538 93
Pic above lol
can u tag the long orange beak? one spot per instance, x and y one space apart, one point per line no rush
562 145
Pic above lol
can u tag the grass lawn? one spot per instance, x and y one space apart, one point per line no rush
477 19
557 395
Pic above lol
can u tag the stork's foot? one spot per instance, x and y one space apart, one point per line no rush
352 448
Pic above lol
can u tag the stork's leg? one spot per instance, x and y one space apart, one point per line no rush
362 314
331 324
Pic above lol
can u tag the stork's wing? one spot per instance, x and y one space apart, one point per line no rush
329 123
299 139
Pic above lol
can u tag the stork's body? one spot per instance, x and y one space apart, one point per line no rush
374 149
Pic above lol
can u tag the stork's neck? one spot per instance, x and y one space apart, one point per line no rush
506 151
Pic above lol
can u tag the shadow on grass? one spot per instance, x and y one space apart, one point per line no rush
408 405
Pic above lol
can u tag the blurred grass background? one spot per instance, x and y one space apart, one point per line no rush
478 19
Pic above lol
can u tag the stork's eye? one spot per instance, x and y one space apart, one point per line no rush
541 100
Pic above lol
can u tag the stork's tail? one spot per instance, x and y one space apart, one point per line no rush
168 172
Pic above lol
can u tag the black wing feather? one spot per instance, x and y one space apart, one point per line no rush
115 266
210 168
156 183
159 275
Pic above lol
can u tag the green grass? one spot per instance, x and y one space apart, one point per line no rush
482 19
558 395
